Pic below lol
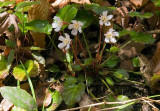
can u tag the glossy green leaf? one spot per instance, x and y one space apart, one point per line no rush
142 37
19 97
2 10
67 13
112 62
6 3
3 67
70 80
123 32
142 16
56 101
135 62
41 26
10 43
121 74
26 4
89 80
85 17
72 93
109 81
76 67
113 49
53 68
88 61
19 73
156 2
10 58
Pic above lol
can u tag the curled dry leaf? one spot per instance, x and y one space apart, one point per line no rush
41 92
138 3
39 11
8 20
62 3
6 105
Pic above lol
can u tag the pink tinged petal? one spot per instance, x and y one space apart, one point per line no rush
70 26
54 25
111 30
107 23
105 13
106 40
113 40
109 17
61 38
67 47
74 32
74 21
57 29
115 34
67 36
101 22
61 45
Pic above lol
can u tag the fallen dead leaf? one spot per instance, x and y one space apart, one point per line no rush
6 105
139 3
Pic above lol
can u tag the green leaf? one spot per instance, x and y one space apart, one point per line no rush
85 17
10 43
142 37
155 81
19 97
26 4
109 81
72 93
2 10
156 2
142 16
41 26
81 78
113 49
53 68
3 67
10 59
56 101
123 32
112 62
67 13
121 74
97 8
70 80
135 62
88 61
17 109
6 3
76 67
32 68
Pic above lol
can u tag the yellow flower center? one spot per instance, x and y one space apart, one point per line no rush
109 35
76 25
59 23
66 41
104 18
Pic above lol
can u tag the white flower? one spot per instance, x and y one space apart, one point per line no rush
57 24
65 42
110 36
104 19
76 26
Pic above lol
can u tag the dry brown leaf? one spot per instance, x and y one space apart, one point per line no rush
127 65
6 105
139 3
40 92
39 11
62 3
8 20
103 3
145 68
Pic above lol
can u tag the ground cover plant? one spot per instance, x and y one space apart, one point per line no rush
80 55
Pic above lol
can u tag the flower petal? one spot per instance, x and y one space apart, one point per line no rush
113 40
111 30
57 29
80 30
109 17
80 23
101 22
106 40
61 45
74 32
54 25
61 38
67 47
115 34
74 21
67 36
107 23
70 26
105 13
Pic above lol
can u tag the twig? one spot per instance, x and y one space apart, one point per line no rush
153 31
